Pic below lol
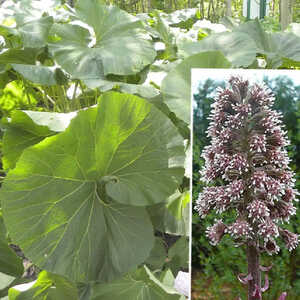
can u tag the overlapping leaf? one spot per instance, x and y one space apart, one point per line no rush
47 287
11 265
117 45
158 255
35 33
173 216
68 203
141 284
275 46
41 74
18 56
176 86
237 47
178 255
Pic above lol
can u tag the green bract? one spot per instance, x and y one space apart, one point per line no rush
74 201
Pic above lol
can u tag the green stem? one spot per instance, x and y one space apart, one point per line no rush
74 95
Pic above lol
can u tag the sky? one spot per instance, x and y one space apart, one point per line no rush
253 75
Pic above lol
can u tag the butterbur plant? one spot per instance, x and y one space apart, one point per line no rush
247 172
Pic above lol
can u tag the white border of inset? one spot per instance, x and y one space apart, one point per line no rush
254 76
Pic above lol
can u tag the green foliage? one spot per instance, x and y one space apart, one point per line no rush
47 286
94 173
141 282
177 84
55 65
16 96
90 56
240 50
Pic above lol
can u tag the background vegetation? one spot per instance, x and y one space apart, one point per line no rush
215 268
212 10
178 41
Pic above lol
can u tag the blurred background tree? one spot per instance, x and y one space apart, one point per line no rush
212 10
215 268
281 12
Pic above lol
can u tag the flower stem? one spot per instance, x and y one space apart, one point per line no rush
254 285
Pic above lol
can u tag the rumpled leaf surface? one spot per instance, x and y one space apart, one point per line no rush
73 203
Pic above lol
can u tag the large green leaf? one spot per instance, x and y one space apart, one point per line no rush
66 201
117 46
163 218
47 287
27 128
141 285
26 11
158 255
176 86
177 203
5 280
178 255
40 74
18 56
237 47
274 45
145 91
35 32
286 45
256 32
11 265
166 36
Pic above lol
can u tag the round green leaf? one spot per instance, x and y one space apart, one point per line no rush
35 32
176 86
274 45
286 45
237 47
255 31
66 201
141 284
118 44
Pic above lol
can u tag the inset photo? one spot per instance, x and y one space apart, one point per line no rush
246 169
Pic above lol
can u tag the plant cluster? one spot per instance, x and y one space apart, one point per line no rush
74 71
94 191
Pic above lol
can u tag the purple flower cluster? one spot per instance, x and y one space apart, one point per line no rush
247 169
